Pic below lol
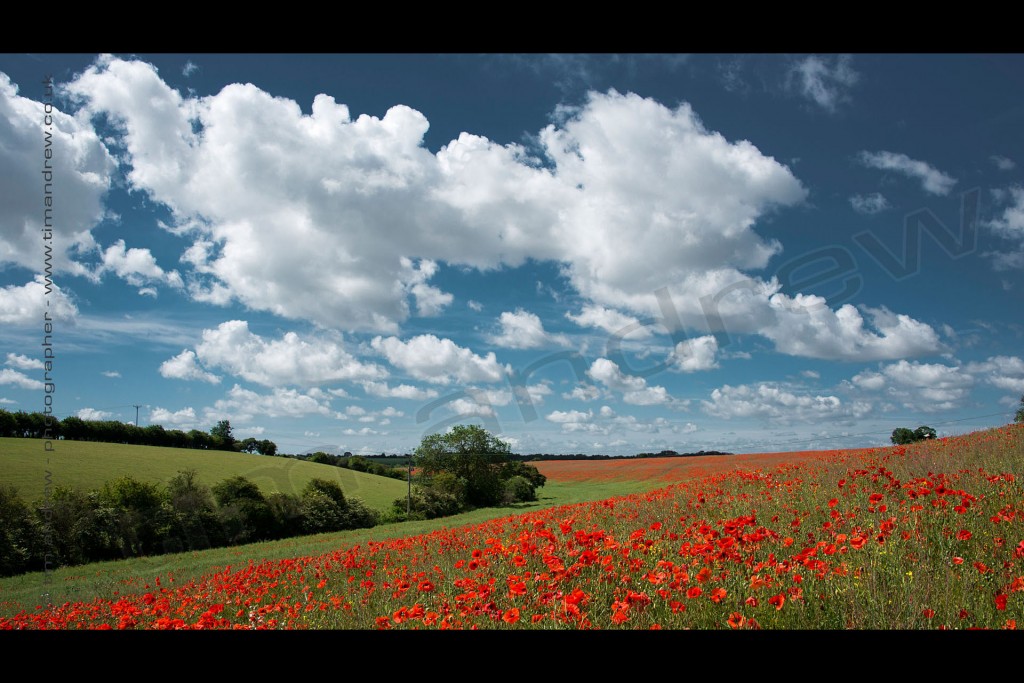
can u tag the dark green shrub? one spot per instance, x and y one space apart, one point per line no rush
20 544
519 490
243 511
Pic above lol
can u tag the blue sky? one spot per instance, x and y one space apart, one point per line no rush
581 253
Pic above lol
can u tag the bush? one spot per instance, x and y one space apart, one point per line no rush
467 467
142 521
288 515
426 503
321 513
903 435
519 490
244 511
359 515
83 528
196 525
19 538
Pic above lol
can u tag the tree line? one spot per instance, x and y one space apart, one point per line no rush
37 425
131 518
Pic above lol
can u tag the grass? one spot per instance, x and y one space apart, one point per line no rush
86 465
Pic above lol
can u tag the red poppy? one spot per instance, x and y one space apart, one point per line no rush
928 613
694 592
778 601
963 535
1001 601
718 595
426 586
736 620
511 616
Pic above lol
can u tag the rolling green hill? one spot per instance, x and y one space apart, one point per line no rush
88 465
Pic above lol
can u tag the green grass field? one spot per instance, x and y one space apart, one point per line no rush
87 465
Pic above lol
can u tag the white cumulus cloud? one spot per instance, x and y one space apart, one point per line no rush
406 391
583 392
1004 372
184 366
523 330
562 417
244 405
806 326
924 387
27 304
775 402
440 361
638 201
290 360
186 417
18 379
869 204
696 354
824 81
23 362
634 389
1003 163
93 414
932 180
81 170
611 321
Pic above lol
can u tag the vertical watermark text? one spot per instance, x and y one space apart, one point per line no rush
49 386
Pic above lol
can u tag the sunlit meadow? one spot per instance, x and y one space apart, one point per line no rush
928 536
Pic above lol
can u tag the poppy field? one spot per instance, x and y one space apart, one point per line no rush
926 536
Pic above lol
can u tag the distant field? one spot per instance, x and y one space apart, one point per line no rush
661 470
87 465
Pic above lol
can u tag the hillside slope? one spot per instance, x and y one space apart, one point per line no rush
88 465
